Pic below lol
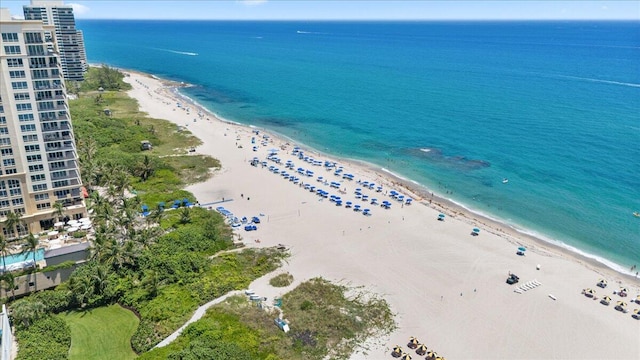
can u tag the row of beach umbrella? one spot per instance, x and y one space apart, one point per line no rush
620 305
420 349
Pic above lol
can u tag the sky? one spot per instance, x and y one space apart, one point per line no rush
349 10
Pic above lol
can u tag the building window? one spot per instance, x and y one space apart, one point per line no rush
43 206
11 171
9 162
15 192
23 107
6 152
5 142
14 62
4 131
16 202
27 128
31 148
40 187
36 168
18 85
21 96
34 158
17 74
29 138
32 38
62 183
12 50
3 120
40 197
4 203
35 50
10 37
25 117
38 177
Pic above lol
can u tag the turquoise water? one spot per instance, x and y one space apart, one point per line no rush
17 258
455 106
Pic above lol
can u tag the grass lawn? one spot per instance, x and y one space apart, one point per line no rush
101 333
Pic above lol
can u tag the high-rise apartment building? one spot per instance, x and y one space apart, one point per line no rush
83 51
70 46
38 164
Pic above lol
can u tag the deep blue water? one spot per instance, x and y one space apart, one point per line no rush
552 106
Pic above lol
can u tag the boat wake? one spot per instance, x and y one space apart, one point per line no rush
599 80
311 32
179 52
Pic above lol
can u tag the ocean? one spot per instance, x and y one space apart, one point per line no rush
457 107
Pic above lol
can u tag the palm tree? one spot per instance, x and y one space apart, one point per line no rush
59 210
145 168
27 311
13 220
157 215
9 283
31 243
151 282
81 288
101 279
185 216
4 251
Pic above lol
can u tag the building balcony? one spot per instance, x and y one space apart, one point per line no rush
71 174
56 97
49 129
54 118
69 155
56 137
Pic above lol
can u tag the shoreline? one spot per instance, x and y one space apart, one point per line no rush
422 267
421 192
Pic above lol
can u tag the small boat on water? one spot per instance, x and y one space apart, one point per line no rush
636 214
505 180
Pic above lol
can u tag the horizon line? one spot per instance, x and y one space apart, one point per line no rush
365 20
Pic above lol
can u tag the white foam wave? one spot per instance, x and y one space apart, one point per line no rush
394 174
536 235
425 150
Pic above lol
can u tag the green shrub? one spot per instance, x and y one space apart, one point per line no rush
54 300
281 280
48 338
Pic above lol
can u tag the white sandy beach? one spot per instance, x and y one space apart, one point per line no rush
447 287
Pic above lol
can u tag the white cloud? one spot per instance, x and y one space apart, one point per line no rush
79 9
253 2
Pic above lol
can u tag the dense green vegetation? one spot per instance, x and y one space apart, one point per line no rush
101 333
110 152
104 77
324 323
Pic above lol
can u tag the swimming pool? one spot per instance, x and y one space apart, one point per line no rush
18 258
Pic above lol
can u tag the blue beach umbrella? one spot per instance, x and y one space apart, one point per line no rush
522 248
441 216
476 230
